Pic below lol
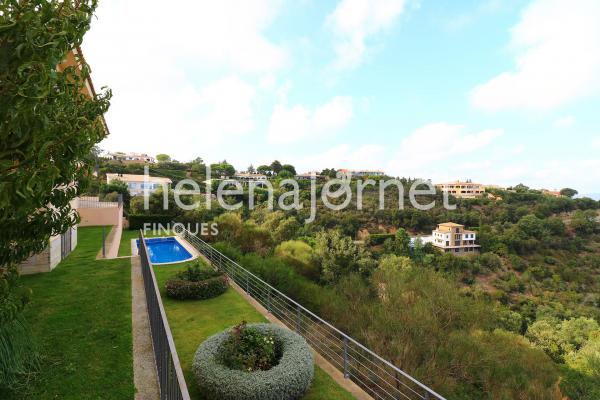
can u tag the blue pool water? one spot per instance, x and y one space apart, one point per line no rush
165 250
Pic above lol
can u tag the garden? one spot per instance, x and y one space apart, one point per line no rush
226 347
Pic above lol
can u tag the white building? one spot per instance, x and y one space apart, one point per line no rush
454 238
354 173
131 158
138 184
309 176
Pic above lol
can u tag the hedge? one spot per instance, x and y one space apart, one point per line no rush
182 289
137 221
288 380
379 238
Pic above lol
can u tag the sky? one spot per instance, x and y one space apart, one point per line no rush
500 92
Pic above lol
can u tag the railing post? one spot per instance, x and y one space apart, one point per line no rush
346 369
298 318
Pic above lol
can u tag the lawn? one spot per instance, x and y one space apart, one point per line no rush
80 315
192 322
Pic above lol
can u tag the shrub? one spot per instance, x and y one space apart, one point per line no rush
196 284
248 349
379 238
289 379
137 221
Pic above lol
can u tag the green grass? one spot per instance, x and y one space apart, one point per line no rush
80 315
192 322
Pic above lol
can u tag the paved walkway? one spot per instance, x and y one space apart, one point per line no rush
144 367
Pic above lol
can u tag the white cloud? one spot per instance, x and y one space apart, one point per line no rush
431 150
565 122
291 124
596 142
189 79
557 46
353 22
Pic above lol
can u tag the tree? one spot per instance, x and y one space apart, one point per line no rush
162 158
49 127
116 186
251 169
264 169
289 167
339 256
568 192
222 169
276 166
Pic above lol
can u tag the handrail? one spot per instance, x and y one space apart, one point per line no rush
170 376
352 366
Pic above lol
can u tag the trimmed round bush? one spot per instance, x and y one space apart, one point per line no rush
289 379
212 285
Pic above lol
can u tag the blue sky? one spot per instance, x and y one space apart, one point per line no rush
495 91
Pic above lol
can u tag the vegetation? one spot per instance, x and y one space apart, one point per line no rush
80 316
192 322
539 262
254 348
196 283
249 349
48 131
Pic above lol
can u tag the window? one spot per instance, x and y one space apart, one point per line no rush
447 243
456 250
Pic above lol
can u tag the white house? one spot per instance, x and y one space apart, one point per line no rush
138 184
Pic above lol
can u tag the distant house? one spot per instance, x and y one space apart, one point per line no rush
553 193
454 238
138 184
309 176
361 172
463 190
131 158
245 178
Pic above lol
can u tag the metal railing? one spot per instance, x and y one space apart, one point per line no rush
170 376
95 202
377 376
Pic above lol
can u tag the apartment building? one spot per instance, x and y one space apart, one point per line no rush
138 184
454 238
361 172
463 190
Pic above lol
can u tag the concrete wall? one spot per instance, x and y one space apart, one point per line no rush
49 258
100 216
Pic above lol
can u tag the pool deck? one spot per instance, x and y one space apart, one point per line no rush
191 249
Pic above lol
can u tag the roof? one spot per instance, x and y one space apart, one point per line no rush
457 183
450 224
137 178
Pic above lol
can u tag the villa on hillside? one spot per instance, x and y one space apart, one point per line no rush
131 158
463 190
309 176
361 172
454 238
138 184
245 178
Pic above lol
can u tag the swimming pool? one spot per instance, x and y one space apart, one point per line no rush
165 250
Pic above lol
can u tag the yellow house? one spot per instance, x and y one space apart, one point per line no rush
454 238
463 190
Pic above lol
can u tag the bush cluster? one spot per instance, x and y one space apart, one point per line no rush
137 221
287 380
196 284
248 349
